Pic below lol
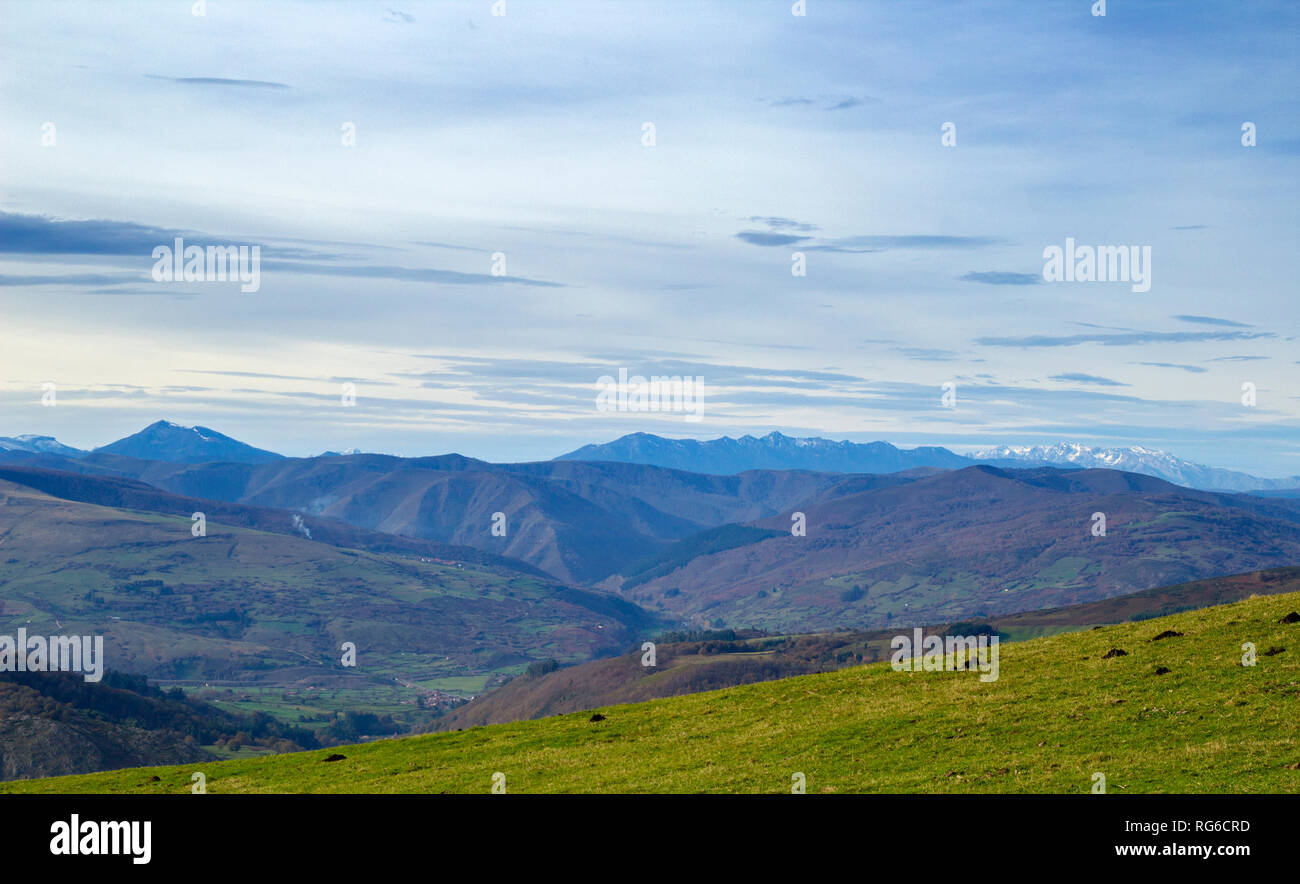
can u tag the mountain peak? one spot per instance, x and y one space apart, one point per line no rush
38 445
171 442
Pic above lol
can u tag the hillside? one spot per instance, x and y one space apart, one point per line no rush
40 737
942 544
1060 712
719 660
112 491
57 723
578 522
973 543
267 613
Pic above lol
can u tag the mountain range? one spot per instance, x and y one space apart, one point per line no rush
714 550
1135 459
726 456
775 451
167 442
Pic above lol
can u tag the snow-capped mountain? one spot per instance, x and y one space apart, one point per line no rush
166 441
1136 459
775 451
38 445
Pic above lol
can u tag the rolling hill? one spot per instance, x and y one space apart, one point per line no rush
1176 712
130 494
267 612
578 522
973 543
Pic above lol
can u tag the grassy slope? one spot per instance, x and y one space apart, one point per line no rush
691 667
1058 714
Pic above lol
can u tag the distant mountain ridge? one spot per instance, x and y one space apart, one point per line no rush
172 443
775 451
38 445
168 442
1135 459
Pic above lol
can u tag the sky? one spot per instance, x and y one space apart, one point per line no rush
502 231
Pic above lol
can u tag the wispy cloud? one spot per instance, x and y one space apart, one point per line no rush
763 238
74 279
1119 340
869 243
219 81
1002 277
1081 378
1210 320
1197 369
778 223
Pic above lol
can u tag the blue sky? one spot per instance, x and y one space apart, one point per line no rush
522 134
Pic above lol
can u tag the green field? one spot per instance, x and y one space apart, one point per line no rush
1059 713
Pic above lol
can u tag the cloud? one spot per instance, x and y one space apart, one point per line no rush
778 223
248 374
219 81
1002 277
404 274
918 242
443 245
866 244
1080 378
826 102
1237 359
75 279
1120 340
1190 227
1192 368
39 235
42 235
762 238
36 234
1210 320
927 354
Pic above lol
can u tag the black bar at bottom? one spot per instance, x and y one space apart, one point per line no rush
645 835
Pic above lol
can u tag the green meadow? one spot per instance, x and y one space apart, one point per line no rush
1060 712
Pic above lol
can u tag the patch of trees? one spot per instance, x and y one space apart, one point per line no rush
128 699
542 667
